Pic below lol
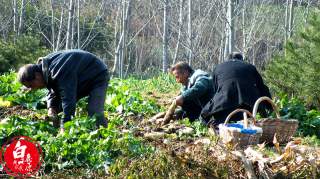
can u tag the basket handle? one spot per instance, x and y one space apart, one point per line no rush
265 98
240 110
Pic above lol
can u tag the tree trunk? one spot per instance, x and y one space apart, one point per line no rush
72 27
22 13
306 12
165 37
121 47
221 49
117 43
15 16
69 28
60 27
52 26
290 20
286 27
190 54
125 31
244 33
230 28
179 31
78 26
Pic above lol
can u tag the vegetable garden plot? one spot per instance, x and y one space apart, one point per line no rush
132 147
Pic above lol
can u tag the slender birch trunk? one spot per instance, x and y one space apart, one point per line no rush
290 20
52 25
15 16
60 27
179 31
69 28
165 37
78 25
190 54
22 13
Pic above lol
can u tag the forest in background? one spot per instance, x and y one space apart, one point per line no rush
142 37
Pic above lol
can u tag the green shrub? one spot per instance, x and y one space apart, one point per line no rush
309 120
14 53
296 72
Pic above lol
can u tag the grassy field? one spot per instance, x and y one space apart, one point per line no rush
131 147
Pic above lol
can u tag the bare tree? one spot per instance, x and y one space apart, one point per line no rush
165 37
22 14
121 46
78 25
179 31
118 41
69 27
205 30
230 28
60 26
190 55
306 12
72 27
125 31
290 20
244 32
15 16
52 25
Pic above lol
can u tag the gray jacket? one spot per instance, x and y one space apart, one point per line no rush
199 88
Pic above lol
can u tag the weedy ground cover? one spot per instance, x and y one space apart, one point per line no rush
131 147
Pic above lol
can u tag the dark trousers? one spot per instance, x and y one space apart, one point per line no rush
96 100
97 97
220 117
191 110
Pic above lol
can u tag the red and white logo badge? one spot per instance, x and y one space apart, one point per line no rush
21 156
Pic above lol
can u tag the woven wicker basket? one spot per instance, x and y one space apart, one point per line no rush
234 136
284 129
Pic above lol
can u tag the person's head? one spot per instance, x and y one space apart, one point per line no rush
182 71
30 76
235 56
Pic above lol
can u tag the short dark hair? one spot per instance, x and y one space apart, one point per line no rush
27 73
236 56
182 66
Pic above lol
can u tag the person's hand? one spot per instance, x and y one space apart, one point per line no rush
52 112
53 116
61 131
169 113
179 100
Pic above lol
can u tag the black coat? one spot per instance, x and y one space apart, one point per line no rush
71 75
236 84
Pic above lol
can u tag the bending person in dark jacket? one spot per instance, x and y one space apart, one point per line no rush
197 90
237 84
69 75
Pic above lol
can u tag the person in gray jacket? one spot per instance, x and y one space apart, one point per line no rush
69 75
197 90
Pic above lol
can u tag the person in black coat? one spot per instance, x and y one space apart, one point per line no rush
69 75
237 84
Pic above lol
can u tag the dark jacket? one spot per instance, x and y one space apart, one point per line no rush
69 76
237 84
197 93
